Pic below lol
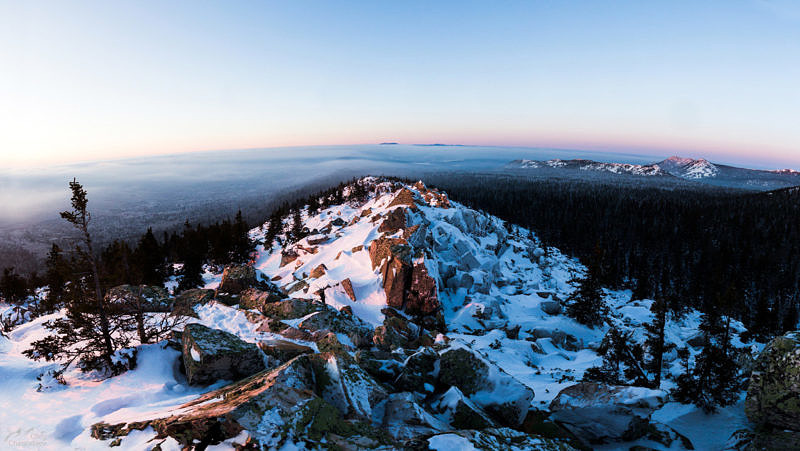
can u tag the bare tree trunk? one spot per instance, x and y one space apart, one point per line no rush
140 317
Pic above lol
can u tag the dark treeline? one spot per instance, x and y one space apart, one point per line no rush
700 246
147 261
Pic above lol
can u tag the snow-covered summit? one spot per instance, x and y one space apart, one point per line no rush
478 264
689 168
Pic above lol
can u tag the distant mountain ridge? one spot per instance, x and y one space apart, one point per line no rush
689 169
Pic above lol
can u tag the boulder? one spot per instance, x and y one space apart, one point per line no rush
597 412
341 382
773 395
186 301
139 297
382 365
406 419
468 262
293 333
236 279
564 340
283 350
457 410
551 307
419 371
291 308
328 342
300 285
255 299
396 332
213 354
272 325
317 239
319 271
462 368
499 394
332 320
347 286
288 256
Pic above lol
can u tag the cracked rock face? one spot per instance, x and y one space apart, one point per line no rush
773 396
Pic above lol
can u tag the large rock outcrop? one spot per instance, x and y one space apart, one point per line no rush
773 396
597 412
213 354
406 282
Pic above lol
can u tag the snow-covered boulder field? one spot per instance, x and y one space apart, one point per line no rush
401 319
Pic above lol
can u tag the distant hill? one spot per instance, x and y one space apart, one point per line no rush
689 169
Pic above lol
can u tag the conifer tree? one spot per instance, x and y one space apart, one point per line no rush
297 225
150 260
242 245
586 303
85 333
191 255
655 340
274 228
621 361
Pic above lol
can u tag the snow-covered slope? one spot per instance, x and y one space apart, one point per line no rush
473 281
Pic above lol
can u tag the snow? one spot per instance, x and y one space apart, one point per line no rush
450 442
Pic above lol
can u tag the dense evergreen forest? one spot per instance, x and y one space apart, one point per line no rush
702 247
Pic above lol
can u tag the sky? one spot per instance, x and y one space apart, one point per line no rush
112 79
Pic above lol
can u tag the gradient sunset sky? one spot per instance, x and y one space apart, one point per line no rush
111 79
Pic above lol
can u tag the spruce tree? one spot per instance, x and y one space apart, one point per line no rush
586 304
297 225
655 340
622 361
242 244
191 255
85 333
150 260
